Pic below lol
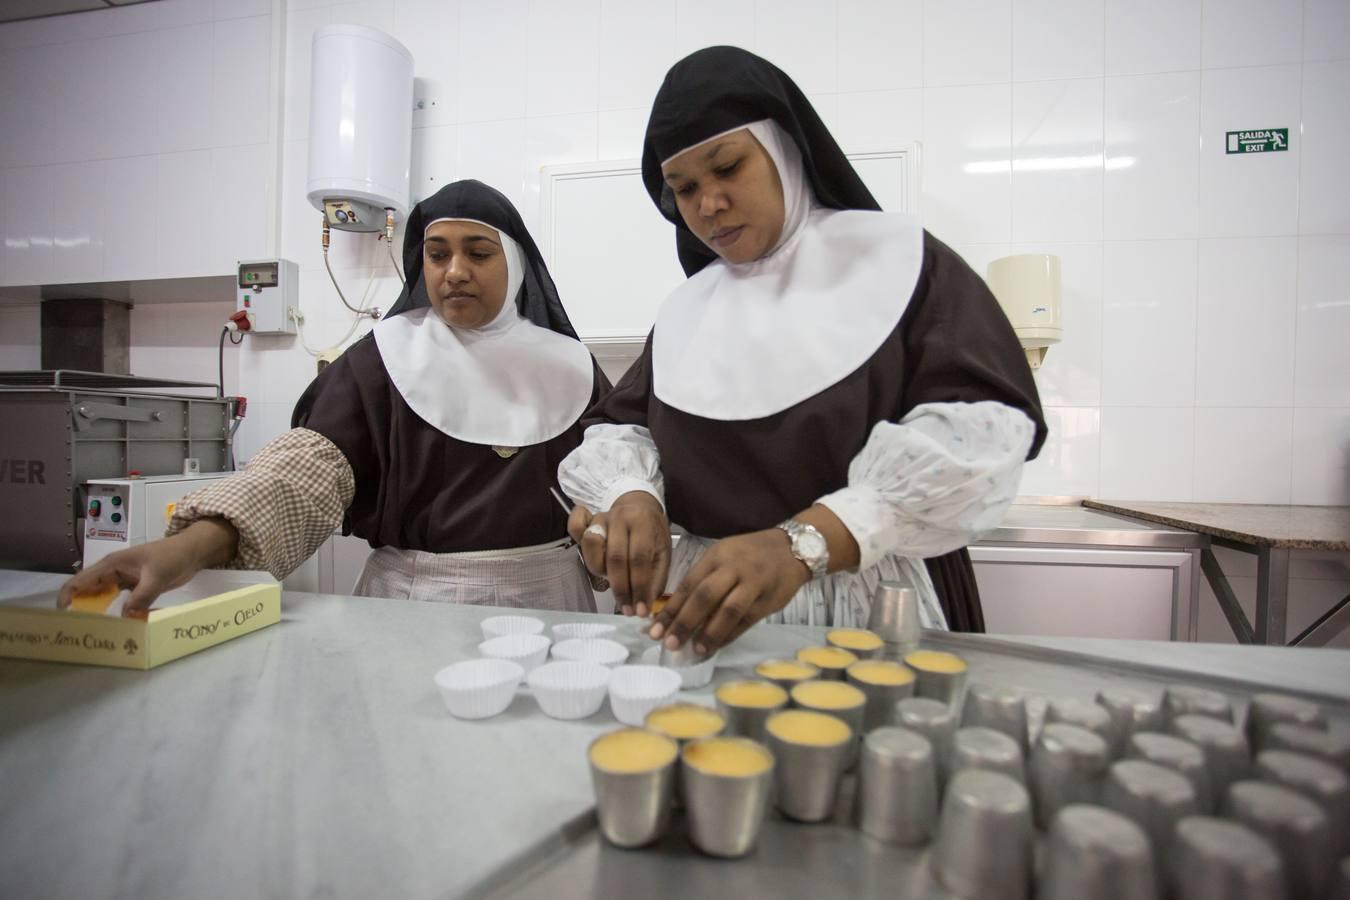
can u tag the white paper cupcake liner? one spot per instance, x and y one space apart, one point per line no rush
566 631
479 688
691 677
635 691
529 650
569 690
498 626
596 650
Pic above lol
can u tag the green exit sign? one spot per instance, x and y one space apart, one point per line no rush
1264 140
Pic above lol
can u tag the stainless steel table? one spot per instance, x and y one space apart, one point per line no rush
315 758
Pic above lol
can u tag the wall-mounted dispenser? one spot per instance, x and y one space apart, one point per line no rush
1028 288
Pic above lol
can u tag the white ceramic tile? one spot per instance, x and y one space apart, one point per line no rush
708 23
1248 193
428 28
242 205
1321 363
799 36
880 44
182 201
300 27
1243 455
1057 39
127 198
637 46
967 172
490 34
77 101
434 152
1145 36
378 14
300 222
77 244
879 120
1322 449
552 141
18 104
1057 160
1148 323
179 340
1324 189
128 119
156 16
494 152
1152 180
240 9
20 336
1326 30
1252 33
1071 374
1069 462
967 42
241 108
620 133
562 59
1148 453
1244 354
26 254
264 422
184 68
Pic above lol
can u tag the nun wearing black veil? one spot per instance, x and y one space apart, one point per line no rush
436 437
830 400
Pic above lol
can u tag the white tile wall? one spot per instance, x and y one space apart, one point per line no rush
1205 295
1145 36
1057 39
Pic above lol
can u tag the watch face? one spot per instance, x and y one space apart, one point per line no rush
811 544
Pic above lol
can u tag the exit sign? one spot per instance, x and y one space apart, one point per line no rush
1265 140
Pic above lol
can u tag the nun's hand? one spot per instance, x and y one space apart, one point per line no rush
739 581
629 545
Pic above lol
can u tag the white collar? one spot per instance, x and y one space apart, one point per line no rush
745 341
509 383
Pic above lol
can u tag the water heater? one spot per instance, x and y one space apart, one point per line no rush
360 127
1028 288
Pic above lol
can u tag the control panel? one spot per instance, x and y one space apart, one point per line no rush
268 291
105 516
123 512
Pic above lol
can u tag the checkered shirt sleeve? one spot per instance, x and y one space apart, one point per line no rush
285 503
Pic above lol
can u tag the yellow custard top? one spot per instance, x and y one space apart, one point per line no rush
935 661
685 721
880 671
787 669
853 639
827 695
96 602
632 750
734 757
827 657
801 726
760 694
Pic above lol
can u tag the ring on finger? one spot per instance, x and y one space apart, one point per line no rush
598 530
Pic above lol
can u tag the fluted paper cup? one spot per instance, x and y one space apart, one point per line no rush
479 688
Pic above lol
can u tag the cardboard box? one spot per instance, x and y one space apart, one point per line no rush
37 630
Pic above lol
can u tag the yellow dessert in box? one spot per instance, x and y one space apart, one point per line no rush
214 607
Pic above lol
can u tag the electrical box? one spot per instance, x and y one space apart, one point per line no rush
269 290
124 512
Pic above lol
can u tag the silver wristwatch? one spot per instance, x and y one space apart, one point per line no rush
808 545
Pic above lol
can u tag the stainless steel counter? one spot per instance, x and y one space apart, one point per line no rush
1074 525
315 758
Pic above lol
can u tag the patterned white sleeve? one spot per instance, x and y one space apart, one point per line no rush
612 461
934 482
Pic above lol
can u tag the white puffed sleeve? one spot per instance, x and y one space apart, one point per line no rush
936 481
612 461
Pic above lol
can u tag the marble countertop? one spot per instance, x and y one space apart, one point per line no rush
1286 527
315 758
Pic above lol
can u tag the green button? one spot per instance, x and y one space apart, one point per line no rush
116 517
116 500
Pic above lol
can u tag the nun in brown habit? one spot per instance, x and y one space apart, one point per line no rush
436 438
832 399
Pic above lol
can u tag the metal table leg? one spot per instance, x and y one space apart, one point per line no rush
1228 603
1272 595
